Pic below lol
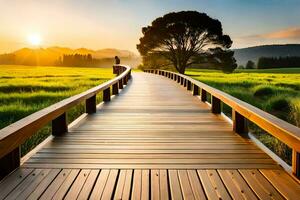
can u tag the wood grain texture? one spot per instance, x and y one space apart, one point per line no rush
150 126
146 144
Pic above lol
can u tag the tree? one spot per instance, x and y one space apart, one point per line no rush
250 64
184 38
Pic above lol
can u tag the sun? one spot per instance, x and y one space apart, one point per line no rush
34 39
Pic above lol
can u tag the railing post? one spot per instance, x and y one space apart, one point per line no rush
184 82
239 123
178 79
215 105
189 85
195 90
106 95
121 83
203 95
296 163
10 162
90 105
115 89
125 80
60 125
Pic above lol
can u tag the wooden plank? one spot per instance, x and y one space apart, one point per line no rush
77 185
88 185
11 181
54 186
149 155
45 183
175 188
100 184
213 185
145 193
120 185
63 189
155 187
124 185
34 178
127 187
236 185
186 188
260 185
137 185
163 184
288 188
110 184
196 185
33 185
153 166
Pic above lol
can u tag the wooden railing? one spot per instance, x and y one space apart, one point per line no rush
12 136
241 112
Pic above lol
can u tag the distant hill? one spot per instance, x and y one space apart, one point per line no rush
49 56
254 53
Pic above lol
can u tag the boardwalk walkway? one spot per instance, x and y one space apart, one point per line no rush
154 140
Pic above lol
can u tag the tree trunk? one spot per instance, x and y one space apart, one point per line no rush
181 68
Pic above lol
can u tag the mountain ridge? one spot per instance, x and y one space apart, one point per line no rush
242 55
52 55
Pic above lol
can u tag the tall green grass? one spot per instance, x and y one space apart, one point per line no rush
26 89
276 91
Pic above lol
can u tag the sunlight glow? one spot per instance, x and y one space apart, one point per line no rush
35 39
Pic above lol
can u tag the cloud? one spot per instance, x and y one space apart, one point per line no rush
289 33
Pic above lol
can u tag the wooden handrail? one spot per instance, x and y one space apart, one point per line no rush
242 111
12 136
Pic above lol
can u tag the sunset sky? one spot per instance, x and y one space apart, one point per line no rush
100 24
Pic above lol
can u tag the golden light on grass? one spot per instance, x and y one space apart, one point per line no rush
34 39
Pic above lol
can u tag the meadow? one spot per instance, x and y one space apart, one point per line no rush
276 91
26 89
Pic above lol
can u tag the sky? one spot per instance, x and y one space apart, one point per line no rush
98 24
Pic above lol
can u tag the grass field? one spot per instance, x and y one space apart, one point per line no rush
26 89
276 91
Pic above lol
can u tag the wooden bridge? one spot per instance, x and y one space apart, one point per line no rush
156 138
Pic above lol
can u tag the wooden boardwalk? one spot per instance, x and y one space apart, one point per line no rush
153 140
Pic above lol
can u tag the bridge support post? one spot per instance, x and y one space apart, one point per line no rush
296 164
189 85
10 162
121 84
90 105
240 124
60 125
115 89
106 95
215 105
203 95
195 90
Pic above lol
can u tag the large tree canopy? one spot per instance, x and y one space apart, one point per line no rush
186 37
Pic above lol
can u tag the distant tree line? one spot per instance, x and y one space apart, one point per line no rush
8 59
278 62
77 60
81 60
